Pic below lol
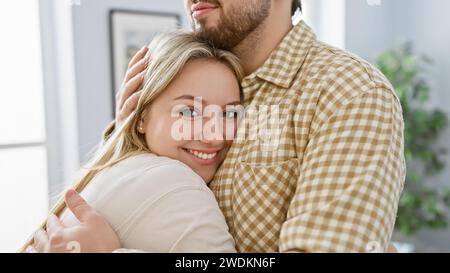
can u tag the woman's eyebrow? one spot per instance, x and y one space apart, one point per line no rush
189 97
233 103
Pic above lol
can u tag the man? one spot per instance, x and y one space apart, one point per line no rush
332 181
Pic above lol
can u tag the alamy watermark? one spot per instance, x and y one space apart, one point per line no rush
261 123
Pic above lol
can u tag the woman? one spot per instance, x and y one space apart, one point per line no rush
149 178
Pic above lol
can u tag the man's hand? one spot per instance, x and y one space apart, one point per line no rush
129 93
94 234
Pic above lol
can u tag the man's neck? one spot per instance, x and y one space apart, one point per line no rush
254 50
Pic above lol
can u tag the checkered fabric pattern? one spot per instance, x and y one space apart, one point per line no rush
332 180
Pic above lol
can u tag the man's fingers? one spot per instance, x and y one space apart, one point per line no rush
131 87
78 206
53 224
138 56
130 105
137 68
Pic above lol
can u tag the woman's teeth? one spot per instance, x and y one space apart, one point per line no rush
203 156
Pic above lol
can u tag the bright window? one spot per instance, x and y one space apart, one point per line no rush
23 159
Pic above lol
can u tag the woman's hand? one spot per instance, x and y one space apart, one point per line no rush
129 93
94 234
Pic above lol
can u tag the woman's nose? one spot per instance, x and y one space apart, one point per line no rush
212 131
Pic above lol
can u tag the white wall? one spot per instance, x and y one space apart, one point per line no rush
368 27
327 18
60 93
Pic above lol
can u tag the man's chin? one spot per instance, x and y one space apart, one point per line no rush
204 31
210 22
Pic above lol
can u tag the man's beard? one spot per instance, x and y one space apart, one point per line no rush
235 26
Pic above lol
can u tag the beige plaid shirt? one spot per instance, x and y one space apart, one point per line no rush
332 180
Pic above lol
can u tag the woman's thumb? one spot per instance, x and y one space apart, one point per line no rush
78 205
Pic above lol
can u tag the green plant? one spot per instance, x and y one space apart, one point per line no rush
420 206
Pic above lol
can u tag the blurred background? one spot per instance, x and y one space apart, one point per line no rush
60 61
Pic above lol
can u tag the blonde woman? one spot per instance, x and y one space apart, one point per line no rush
147 179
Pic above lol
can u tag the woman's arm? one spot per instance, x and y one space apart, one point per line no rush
93 234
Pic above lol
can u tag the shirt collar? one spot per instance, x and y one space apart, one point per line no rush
287 59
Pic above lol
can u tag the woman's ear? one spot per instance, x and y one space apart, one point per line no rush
141 126
141 123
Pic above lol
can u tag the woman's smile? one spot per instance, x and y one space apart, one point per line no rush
204 157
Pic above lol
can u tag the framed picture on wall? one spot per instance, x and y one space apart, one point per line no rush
130 31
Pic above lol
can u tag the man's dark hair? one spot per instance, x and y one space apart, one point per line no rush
296 5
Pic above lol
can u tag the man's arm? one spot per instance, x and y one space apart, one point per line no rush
351 179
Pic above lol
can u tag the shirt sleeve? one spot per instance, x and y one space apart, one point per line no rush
352 175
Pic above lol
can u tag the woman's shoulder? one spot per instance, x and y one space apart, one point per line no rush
151 166
140 180
146 174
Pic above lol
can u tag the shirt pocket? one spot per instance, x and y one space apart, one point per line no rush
262 194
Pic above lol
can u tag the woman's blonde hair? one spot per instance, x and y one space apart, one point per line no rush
170 52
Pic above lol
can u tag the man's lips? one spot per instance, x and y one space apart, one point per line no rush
200 9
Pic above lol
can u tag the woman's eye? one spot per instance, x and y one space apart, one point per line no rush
189 113
231 114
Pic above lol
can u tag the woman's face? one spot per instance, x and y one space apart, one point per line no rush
195 119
